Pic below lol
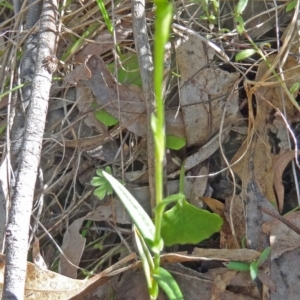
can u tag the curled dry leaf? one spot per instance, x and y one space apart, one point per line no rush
203 152
279 166
204 91
122 101
282 238
256 157
73 243
46 285
104 42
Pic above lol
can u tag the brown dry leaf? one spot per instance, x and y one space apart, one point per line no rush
130 107
258 160
282 238
245 255
215 205
227 240
285 273
204 91
84 104
104 42
198 186
279 166
81 72
220 284
47 285
285 253
239 222
233 285
73 243
203 152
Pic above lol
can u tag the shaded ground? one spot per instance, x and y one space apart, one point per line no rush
239 119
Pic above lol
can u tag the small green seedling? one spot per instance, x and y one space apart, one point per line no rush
252 267
103 186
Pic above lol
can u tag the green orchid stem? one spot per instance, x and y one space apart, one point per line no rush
163 18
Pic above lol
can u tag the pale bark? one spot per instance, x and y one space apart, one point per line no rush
17 231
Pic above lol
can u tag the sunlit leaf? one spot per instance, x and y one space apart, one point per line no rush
253 270
244 54
187 224
241 6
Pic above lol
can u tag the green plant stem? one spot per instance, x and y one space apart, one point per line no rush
164 11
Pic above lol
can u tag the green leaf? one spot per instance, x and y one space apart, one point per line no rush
96 181
2 128
129 73
264 256
105 118
175 142
170 199
240 24
291 5
253 270
187 224
244 54
241 6
104 187
294 87
145 256
138 215
168 284
238 266
100 192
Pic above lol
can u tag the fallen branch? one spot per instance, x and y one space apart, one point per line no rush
29 158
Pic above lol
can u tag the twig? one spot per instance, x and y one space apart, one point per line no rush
146 67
